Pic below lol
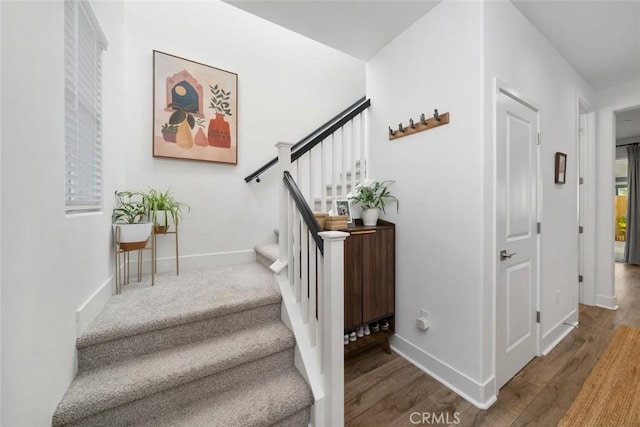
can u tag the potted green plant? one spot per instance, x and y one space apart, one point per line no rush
372 199
130 230
162 208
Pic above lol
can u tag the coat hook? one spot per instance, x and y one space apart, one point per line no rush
390 131
436 115
400 128
423 119
411 125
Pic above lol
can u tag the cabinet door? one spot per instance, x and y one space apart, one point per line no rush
353 281
378 274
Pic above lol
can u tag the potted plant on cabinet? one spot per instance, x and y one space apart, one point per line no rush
372 199
129 228
162 209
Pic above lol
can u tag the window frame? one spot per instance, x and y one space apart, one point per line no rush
84 46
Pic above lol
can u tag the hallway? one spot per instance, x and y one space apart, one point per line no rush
384 390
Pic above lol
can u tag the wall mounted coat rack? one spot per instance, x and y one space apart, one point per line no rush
423 124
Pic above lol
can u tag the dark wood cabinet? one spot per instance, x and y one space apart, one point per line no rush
369 280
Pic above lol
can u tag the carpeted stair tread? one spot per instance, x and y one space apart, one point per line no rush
270 251
158 405
116 384
116 350
262 403
206 294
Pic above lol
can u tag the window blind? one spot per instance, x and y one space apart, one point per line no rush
84 44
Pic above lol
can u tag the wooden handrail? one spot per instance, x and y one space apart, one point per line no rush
317 136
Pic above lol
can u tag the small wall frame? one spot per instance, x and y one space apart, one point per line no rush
561 168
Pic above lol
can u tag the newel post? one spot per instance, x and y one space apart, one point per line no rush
284 162
333 325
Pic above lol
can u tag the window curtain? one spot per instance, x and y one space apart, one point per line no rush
632 242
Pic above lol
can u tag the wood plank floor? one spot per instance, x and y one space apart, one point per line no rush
384 390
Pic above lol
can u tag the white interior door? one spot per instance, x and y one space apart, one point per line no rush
517 238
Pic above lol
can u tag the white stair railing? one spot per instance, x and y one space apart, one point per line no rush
310 273
333 154
333 166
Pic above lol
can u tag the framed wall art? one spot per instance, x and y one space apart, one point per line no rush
561 168
195 110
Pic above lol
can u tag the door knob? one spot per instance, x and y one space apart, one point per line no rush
504 255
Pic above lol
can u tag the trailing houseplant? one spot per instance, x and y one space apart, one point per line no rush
372 198
130 229
162 208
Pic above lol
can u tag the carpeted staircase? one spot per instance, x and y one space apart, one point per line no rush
206 348
267 253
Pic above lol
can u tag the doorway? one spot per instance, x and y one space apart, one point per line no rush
517 239
627 134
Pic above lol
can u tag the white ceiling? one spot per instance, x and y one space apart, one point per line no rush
628 124
359 28
600 38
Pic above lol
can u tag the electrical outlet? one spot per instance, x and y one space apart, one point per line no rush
423 320
557 296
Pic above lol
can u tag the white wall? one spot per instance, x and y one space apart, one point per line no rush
610 100
445 180
517 54
0 220
51 263
288 85
437 63
54 265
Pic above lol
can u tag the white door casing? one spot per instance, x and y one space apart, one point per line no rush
586 195
582 145
517 130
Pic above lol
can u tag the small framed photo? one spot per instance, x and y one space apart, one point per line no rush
561 168
342 207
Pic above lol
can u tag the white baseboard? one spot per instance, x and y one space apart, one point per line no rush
481 395
558 332
194 262
93 306
605 301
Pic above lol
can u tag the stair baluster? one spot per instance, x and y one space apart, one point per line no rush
312 293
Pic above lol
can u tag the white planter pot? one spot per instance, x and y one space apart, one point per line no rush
161 219
132 236
370 216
